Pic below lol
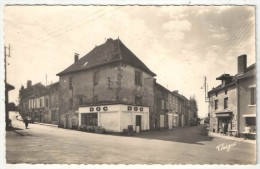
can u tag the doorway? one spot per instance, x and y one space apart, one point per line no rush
138 122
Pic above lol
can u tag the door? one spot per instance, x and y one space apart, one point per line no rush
67 121
138 122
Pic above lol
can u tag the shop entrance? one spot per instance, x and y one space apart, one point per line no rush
224 124
138 122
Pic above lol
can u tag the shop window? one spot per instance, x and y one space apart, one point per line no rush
216 104
251 121
95 78
252 96
138 78
70 83
138 100
225 102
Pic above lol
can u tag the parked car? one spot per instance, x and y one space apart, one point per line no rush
30 120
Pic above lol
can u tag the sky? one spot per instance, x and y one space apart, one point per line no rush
181 44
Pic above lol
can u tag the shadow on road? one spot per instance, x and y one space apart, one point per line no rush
190 135
16 130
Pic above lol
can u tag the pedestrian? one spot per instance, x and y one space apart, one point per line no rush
225 128
247 131
26 122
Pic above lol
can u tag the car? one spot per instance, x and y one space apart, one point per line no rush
29 119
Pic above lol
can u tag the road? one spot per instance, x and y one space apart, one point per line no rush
190 145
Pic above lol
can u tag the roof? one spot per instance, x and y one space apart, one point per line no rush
160 87
9 87
35 90
221 87
224 76
109 52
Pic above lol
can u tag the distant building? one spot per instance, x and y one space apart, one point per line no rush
161 106
233 102
108 76
39 102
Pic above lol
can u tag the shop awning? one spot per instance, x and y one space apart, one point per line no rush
249 115
224 114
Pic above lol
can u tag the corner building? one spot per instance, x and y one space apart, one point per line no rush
108 76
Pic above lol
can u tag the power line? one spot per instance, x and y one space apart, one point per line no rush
75 27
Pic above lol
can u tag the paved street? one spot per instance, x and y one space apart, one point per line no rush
189 145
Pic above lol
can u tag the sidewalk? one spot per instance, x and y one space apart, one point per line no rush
46 124
231 138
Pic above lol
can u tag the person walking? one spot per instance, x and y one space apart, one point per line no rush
247 131
26 122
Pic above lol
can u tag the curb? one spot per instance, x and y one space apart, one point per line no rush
46 124
232 138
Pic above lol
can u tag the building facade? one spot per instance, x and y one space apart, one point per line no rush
233 102
246 96
39 102
110 73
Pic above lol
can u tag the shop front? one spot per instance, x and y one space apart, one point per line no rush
116 117
224 122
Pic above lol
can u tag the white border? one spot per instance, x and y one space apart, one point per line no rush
117 2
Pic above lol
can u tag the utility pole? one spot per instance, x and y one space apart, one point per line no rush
206 89
6 89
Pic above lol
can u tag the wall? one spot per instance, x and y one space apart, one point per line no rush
244 100
122 88
109 120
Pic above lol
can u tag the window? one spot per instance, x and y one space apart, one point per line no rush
138 78
46 103
40 102
138 100
225 102
253 96
71 104
81 101
95 99
70 83
162 104
216 104
96 78
251 121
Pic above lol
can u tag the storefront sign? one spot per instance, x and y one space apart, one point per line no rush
105 108
130 108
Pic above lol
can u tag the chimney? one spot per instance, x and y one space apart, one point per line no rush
241 64
29 83
22 87
76 57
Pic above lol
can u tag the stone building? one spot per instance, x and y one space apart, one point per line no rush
233 102
110 74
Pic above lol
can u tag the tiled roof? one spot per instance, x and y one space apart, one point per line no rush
109 52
